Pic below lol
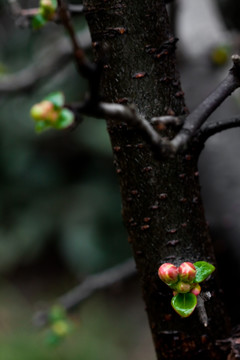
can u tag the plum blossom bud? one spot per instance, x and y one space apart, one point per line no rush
168 273
47 9
44 111
182 287
187 271
196 289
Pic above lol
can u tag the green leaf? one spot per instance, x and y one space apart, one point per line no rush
184 304
57 98
65 119
204 269
41 126
38 21
54 4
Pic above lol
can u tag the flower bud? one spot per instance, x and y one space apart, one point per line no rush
196 289
44 111
40 111
182 287
168 273
47 9
187 271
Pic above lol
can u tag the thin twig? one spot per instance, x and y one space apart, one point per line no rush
211 129
76 9
201 308
86 68
45 65
194 121
88 287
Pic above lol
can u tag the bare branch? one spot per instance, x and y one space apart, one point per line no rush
167 120
76 9
129 115
194 121
27 78
88 287
211 129
46 64
201 307
85 68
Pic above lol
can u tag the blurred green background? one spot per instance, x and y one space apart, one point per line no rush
60 217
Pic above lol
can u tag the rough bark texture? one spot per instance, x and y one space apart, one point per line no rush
161 200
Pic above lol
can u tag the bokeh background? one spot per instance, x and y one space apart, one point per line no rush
60 211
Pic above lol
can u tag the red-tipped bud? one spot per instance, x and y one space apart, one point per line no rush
175 293
182 287
196 289
168 273
187 271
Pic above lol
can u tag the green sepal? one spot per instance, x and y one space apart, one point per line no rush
38 21
184 304
41 126
204 269
65 119
57 99
52 339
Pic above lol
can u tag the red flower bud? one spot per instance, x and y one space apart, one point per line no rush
182 287
168 273
196 289
187 271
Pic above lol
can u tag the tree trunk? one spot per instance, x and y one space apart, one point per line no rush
161 202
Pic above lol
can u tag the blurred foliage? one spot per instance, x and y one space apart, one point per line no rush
92 337
54 185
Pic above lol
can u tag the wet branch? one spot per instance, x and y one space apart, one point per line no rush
194 121
191 125
85 68
211 129
130 116
45 65
88 287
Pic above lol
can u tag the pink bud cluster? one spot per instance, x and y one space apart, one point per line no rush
180 279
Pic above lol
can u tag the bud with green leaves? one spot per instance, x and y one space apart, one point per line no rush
46 12
184 281
50 113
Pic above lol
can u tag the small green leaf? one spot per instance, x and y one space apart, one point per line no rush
41 126
65 119
52 339
204 269
57 98
38 21
184 304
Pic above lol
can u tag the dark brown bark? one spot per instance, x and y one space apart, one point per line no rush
161 200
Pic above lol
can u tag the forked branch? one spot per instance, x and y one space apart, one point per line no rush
88 287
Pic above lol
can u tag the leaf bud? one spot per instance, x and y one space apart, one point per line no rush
168 273
182 287
187 272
